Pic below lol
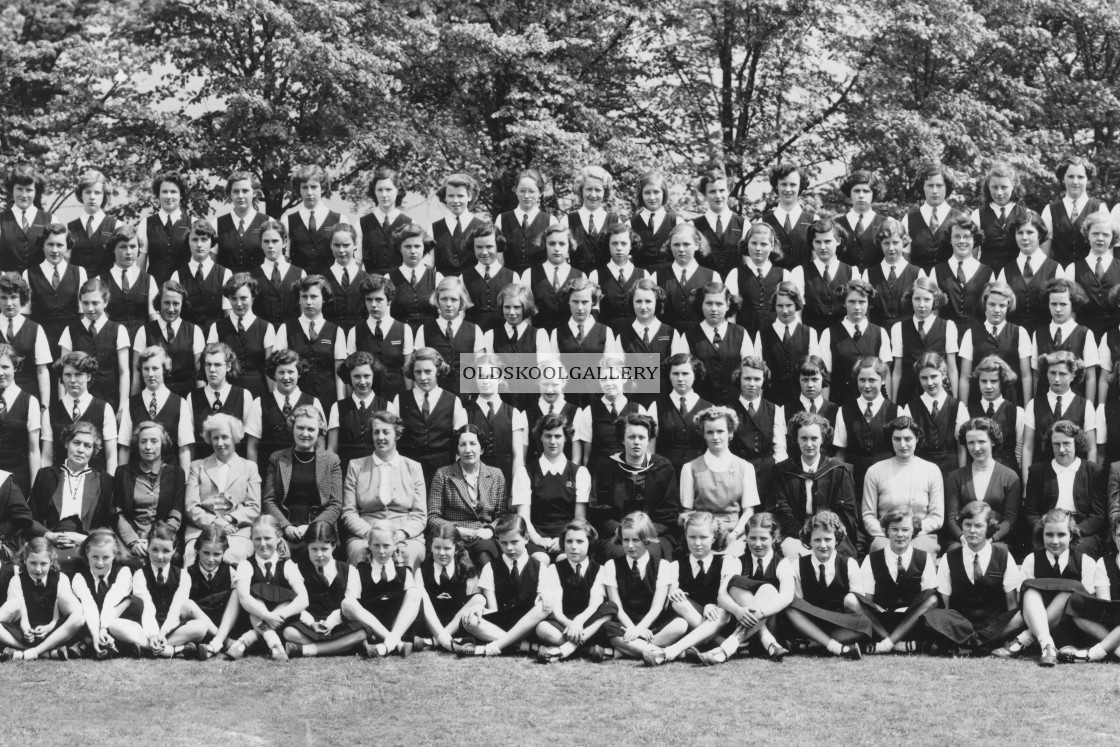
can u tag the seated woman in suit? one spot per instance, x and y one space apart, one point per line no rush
223 489
984 480
1085 496
303 483
150 489
70 499
470 495
385 485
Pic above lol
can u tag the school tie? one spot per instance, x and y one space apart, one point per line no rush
345 278
450 333
683 408
75 412
556 278
1002 215
384 571
991 410
241 227
378 336
323 573
55 279
813 407
89 227
1099 271
899 569
858 334
486 275
591 226
152 410
1058 337
960 274
622 276
216 406
820 574
312 226
102 586
268 573
1057 568
515 575
412 282
513 336
579 333
787 225
827 276
977 574
168 226
1072 216
936 408
716 340
701 573
198 276
551 409
786 336
750 408
649 224
635 574
444 579
311 331
579 570
490 411
524 226
933 223
859 225
892 276
867 414
995 333
1028 272
426 409
11 330
684 277
614 412
170 332
240 326
645 335
25 224
275 275
457 234
922 329
362 410
1058 407
287 409
124 281
719 225
759 571
159 577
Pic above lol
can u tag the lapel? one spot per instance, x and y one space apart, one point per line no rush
285 462
460 483
59 486
91 492
322 473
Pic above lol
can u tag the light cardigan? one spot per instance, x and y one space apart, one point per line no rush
916 484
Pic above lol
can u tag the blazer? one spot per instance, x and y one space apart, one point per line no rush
46 501
278 479
243 490
449 503
406 508
1004 495
1090 487
172 494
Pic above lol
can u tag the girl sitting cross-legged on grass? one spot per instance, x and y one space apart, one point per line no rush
103 586
212 590
1098 614
449 578
389 599
49 616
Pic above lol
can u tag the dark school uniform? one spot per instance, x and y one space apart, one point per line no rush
1067 243
105 382
183 376
446 598
927 248
889 306
355 429
239 243
202 305
725 253
13 441
428 440
277 299
515 597
88 250
483 290
412 302
451 257
128 308
824 604
615 311
524 242
323 599
379 253
1006 416
604 441
796 250
1049 580
40 602
212 594
168 247
846 352
386 344
552 310
24 343
309 251
679 438
320 380
783 358
1032 309
824 304
1073 343
347 306
756 292
652 254
1097 313
552 503
656 339
248 346
589 250
53 308
576 593
235 404
940 443
934 338
272 589
496 438
19 248
450 348
964 304
862 250
678 305
162 594
1006 346
60 418
901 593
275 433
867 439
168 416
1086 606
997 247
977 613
533 413
634 593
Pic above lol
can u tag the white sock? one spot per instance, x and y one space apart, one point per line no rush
835 647
1045 640
1097 653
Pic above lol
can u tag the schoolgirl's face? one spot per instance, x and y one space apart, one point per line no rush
1026 237
342 246
265 541
311 192
241 196
456 199
126 252
241 301
38 564
1055 535
855 305
512 544
320 553
975 533
100 558
923 303
200 246
160 552
824 246
699 539
470 450
424 375
750 382
995 310
216 368
170 198
579 303
653 197
556 247
962 241
1061 308
611 384
272 244
715 308
287 377
305 432
384 437
619 247
811 385
823 542
152 372
450 304
92 197
683 378
1059 377
716 435
1076 181
861 197
759 246
361 380
412 251
905 442
74 381
489 380
528 194
575 546
786 309
635 440
170 305
381 546
1065 448
1001 189
979 445
150 445
892 247
684 246
990 386
551 388
7 372
385 192
93 305
311 302
54 247
552 442
10 304
900 534
1100 238
760 541
210 556
934 189
715 194
443 552
789 187
633 545
23 196
513 310
593 193
870 383
810 441
645 305
377 305
486 249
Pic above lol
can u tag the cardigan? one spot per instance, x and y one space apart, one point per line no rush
1090 486
1004 495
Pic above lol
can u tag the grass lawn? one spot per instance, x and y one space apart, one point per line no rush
434 698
